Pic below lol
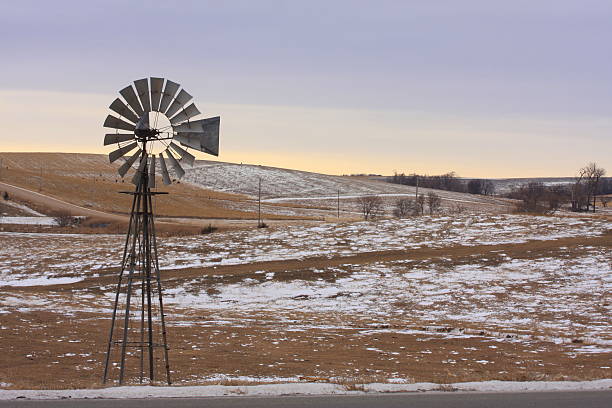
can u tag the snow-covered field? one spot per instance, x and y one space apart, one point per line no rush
294 186
493 282
500 291
81 255
558 298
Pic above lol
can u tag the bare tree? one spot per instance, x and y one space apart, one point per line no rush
475 186
371 206
404 207
488 188
65 219
579 195
457 208
531 196
434 202
420 204
556 196
591 174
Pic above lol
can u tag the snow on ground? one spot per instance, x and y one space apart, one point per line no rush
80 255
284 185
565 297
560 297
48 221
296 242
42 258
295 388
22 207
279 182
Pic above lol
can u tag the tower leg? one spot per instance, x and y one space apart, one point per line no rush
140 261
131 230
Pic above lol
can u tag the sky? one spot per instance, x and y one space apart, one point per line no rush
484 88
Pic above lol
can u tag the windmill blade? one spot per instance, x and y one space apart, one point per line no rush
189 139
210 143
175 165
181 100
142 87
112 138
198 126
115 154
156 92
127 165
207 131
210 138
122 109
116 123
185 155
164 170
168 95
138 175
152 172
186 114
130 97
143 122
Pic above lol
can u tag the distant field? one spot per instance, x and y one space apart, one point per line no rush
215 189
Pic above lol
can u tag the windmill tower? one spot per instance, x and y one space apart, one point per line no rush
160 126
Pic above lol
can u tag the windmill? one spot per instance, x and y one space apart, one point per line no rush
161 127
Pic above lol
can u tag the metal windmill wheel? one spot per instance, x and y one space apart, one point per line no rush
145 104
157 116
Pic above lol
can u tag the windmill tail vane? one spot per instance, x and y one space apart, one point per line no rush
138 343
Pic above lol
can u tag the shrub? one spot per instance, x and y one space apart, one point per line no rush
64 219
208 230
404 207
434 202
371 206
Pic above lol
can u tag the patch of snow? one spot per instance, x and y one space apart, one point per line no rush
48 221
302 388
23 208
43 281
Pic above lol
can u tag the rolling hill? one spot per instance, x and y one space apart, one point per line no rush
213 190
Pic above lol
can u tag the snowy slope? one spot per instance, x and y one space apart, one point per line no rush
283 185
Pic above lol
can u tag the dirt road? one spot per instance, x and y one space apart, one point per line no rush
56 205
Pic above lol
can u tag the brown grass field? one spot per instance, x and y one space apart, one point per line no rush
89 181
447 298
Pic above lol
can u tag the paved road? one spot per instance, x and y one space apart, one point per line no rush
583 399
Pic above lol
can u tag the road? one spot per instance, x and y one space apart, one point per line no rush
55 204
567 399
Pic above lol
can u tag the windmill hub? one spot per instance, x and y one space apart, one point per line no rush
146 134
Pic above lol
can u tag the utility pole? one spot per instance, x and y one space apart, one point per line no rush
338 203
416 194
259 205
40 179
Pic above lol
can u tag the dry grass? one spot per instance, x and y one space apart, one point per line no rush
201 351
89 181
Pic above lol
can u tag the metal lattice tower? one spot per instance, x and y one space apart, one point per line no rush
138 327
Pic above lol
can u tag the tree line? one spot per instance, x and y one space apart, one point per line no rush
372 206
581 195
448 182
